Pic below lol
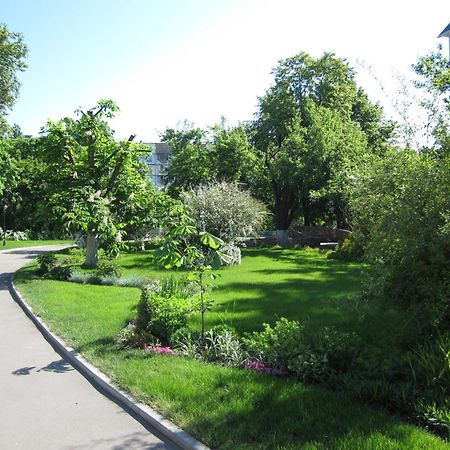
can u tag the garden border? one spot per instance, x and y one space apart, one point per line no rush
143 413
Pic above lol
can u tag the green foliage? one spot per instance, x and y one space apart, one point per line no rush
319 359
97 183
60 273
311 129
202 156
160 315
400 209
220 345
225 210
46 262
352 248
434 85
278 345
108 268
12 55
430 363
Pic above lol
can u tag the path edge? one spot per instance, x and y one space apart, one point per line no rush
104 384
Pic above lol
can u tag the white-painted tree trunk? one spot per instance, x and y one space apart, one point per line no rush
91 251
282 237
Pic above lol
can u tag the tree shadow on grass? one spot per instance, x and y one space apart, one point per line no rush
284 415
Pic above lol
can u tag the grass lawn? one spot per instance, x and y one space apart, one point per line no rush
301 285
231 408
21 244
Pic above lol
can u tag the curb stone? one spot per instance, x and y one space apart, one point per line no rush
144 413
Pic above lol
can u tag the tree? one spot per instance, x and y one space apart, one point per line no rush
434 73
12 55
307 132
96 182
203 156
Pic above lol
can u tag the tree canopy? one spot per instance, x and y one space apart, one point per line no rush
202 156
96 182
12 60
312 125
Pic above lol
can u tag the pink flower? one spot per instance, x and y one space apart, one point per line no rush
261 367
159 349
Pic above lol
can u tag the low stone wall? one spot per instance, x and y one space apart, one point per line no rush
306 236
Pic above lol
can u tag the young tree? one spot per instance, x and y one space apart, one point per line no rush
95 181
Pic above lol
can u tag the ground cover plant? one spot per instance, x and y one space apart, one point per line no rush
245 409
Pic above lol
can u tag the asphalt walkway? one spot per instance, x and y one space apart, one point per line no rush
44 402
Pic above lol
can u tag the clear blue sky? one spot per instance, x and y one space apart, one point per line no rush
166 61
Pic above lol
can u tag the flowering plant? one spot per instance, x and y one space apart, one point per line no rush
159 349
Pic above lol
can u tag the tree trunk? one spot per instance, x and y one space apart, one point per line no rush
306 208
91 251
282 237
285 208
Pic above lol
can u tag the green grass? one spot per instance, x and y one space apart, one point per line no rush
22 244
230 408
299 284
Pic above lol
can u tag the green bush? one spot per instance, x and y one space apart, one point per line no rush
311 359
161 316
278 345
108 268
401 210
60 273
46 262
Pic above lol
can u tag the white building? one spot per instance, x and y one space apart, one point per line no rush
158 161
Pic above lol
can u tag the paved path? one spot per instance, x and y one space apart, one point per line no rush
44 402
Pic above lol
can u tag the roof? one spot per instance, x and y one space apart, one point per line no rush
445 32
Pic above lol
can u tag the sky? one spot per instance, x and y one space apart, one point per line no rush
166 62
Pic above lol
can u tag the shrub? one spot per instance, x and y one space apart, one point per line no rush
276 346
225 210
46 262
286 347
401 211
161 316
60 273
108 268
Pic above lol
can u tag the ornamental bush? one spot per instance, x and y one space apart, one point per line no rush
225 210
161 315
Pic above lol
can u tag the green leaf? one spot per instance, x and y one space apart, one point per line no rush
209 240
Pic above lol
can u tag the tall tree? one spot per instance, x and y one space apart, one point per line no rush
12 59
96 181
310 127
434 72
202 156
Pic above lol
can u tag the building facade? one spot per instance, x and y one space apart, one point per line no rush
158 161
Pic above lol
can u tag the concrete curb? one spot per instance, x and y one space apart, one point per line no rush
100 381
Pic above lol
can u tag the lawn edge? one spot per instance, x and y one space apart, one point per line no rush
104 384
